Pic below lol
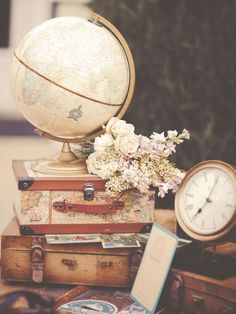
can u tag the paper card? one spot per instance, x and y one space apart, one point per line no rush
72 238
124 240
154 268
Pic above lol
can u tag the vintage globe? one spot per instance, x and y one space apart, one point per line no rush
70 75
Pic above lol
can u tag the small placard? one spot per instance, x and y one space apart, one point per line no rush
154 268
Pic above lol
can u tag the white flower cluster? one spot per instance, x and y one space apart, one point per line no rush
130 161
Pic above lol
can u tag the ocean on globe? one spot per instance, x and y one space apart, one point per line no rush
69 76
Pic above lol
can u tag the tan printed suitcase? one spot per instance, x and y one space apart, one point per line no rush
31 259
77 205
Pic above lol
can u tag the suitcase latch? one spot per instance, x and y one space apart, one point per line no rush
37 263
89 192
70 263
105 264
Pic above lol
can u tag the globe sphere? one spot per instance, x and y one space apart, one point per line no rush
70 76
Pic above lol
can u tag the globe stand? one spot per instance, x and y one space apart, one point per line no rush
65 164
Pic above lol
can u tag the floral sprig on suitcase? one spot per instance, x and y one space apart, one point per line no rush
130 161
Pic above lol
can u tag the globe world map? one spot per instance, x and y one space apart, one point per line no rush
70 76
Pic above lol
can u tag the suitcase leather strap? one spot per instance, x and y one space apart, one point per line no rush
106 208
37 260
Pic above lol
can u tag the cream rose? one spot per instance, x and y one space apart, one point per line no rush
101 164
118 127
95 163
110 124
103 142
127 144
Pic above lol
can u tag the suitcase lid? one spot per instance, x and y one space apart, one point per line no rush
12 239
219 288
28 179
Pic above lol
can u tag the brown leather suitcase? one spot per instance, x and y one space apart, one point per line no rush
205 295
30 258
50 204
195 293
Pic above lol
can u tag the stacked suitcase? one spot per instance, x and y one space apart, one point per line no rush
71 205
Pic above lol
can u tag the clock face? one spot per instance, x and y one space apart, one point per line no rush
207 201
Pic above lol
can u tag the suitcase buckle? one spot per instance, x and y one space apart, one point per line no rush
89 192
37 262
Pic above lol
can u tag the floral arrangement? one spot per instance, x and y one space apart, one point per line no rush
131 161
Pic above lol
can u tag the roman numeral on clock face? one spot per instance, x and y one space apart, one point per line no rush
189 207
224 216
214 223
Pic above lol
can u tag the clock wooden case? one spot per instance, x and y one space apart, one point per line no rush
205 203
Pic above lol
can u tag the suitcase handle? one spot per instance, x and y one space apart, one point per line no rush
65 206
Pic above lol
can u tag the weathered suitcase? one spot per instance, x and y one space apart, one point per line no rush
30 258
205 295
76 205
190 292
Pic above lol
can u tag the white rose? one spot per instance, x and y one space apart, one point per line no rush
127 144
101 164
122 128
108 170
110 123
118 127
95 163
103 142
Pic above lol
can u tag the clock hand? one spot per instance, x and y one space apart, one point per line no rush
208 200
198 212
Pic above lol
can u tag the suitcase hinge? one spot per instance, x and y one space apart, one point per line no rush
37 261
25 182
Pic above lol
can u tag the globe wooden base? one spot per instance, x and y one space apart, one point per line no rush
59 168
66 164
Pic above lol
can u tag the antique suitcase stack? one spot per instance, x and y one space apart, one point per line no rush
72 205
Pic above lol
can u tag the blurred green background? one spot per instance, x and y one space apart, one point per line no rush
185 58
